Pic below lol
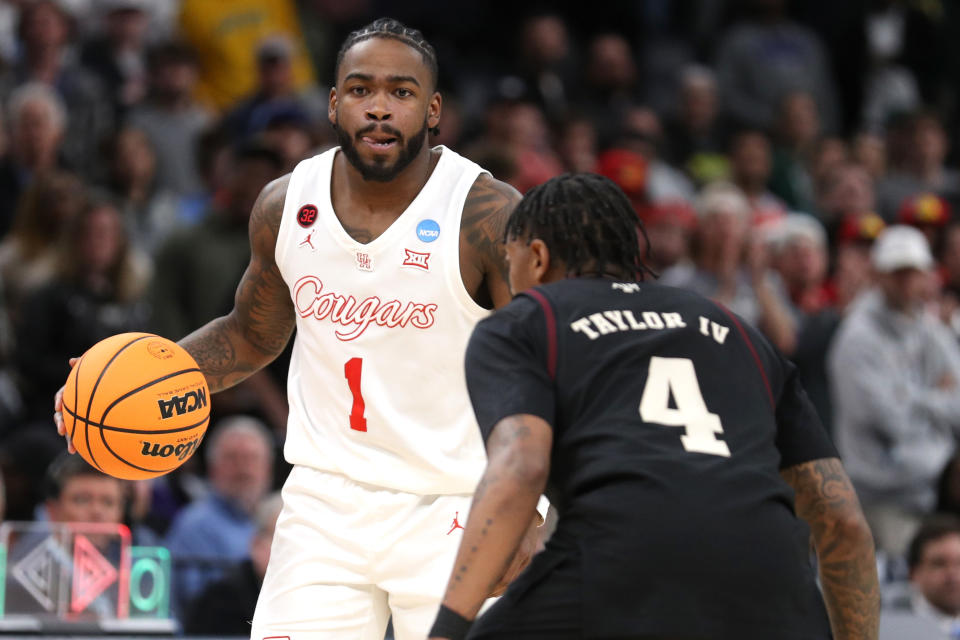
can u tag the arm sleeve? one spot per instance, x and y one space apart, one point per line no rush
506 366
800 434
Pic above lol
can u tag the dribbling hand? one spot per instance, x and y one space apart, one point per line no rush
58 413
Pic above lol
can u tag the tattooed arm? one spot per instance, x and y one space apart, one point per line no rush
825 499
518 463
231 348
483 263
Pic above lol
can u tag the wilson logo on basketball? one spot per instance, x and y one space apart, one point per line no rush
179 405
357 315
182 450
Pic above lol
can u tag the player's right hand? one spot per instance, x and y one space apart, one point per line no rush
58 413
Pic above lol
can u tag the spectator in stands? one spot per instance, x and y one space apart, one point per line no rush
528 137
612 87
761 60
290 134
853 270
642 133
118 55
150 212
578 145
844 192
96 291
720 270
934 561
198 268
209 535
276 92
670 226
894 372
929 213
923 170
545 66
797 134
869 150
694 137
226 606
800 257
76 492
44 31
28 255
171 118
37 119
224 34
750 167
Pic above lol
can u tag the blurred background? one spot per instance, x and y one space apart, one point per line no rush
796 161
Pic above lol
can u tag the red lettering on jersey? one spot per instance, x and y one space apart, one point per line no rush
310 300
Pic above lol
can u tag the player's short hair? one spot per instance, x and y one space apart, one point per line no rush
587 222
395 30
933 528
62 470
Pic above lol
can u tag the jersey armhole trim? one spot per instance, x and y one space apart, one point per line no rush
551 321
753 352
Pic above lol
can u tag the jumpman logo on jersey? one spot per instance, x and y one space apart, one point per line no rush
456 523
308 240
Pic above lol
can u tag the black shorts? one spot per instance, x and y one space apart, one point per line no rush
544 603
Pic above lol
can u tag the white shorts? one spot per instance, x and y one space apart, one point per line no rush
345 556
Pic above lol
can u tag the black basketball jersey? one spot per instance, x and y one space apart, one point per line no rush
672 419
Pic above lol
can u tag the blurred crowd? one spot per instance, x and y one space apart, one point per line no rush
794 161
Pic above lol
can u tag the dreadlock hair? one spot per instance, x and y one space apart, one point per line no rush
395 30
587 222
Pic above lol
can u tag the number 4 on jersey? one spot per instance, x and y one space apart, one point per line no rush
678 376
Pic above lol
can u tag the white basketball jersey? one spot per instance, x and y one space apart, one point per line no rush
376 386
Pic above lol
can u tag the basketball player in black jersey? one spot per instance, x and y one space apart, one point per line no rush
686 463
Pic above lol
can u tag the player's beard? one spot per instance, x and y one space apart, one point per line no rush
378 171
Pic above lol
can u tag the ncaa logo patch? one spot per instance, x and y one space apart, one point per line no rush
428 230
307 215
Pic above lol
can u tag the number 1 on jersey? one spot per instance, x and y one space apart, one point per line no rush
351 371
701 426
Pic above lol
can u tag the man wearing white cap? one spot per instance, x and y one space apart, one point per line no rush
894 372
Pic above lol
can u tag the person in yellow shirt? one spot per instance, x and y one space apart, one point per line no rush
225 36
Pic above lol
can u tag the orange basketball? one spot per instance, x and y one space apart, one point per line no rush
136 406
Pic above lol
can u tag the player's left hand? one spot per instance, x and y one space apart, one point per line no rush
529 546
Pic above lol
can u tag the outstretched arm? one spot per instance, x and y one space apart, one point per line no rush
825 499
518 464
230 348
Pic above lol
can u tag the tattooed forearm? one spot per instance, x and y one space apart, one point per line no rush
826 500
230 348
504 508
485 213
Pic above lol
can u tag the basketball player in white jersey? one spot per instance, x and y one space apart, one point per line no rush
383 253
